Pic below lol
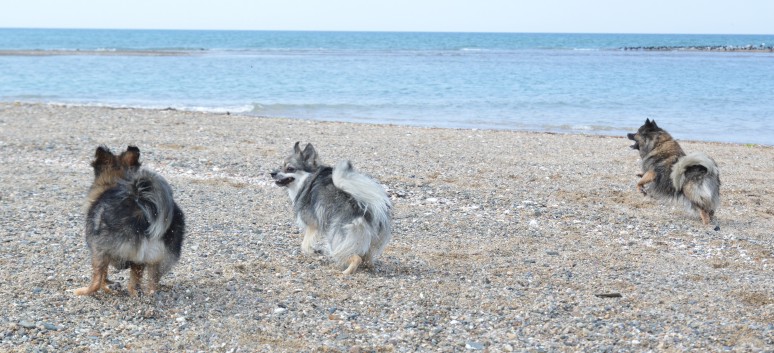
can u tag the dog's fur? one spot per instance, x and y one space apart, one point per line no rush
348 211
132 222
693 179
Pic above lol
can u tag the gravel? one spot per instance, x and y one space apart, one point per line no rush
503 241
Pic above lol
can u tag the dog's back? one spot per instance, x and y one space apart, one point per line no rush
137 221
659 153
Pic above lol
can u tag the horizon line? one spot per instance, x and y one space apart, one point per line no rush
372 31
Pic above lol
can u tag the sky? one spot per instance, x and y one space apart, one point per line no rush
550 16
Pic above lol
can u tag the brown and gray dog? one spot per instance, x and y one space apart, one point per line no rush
693 179
132 222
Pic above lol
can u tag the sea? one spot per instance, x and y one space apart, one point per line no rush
554 82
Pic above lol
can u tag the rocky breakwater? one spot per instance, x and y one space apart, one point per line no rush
721 48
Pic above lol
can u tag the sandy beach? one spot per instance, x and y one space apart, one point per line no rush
503 241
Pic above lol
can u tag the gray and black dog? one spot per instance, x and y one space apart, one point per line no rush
348 212
693 179
132 222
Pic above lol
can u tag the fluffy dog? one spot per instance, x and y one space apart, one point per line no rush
693 179
132 222
348 211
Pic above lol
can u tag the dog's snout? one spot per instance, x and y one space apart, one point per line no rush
273 174
630 136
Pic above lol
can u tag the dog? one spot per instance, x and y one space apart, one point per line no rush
693 179
348 212
132 222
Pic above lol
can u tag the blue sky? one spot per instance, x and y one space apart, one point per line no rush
588 16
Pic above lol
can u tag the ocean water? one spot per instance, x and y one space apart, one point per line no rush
567 83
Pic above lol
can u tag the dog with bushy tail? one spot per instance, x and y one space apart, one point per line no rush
667 172
347 211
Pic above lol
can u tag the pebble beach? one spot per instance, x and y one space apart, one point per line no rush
503 241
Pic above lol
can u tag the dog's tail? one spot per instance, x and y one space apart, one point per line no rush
697 177
153 197
366 191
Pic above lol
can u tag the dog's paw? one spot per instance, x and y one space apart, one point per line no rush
83 291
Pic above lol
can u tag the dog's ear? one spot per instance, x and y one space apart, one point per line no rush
310 155
651 123
102 156
131 158
297 148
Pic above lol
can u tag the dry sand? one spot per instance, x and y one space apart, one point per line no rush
502 241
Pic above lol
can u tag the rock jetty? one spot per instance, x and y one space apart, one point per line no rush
724 48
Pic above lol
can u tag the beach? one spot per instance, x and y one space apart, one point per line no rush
502 241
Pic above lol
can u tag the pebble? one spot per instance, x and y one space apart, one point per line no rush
474 345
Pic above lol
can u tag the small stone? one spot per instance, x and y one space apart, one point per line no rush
26 324
50 327
280 310
474 345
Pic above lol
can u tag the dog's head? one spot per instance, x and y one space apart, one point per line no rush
297 166
109 168
645 134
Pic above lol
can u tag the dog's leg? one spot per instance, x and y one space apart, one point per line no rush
154 277
135 278
99 266
310 233
705 216
648 177
105 283
354 261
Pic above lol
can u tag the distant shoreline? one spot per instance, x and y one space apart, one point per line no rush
711 48
150 52
132 52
